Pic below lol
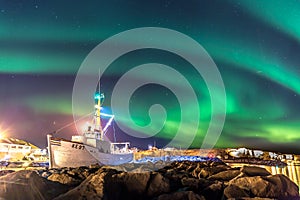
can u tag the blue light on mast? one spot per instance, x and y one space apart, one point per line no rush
99 96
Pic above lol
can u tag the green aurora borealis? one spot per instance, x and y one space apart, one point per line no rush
255 45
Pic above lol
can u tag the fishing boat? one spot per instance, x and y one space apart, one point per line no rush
90 147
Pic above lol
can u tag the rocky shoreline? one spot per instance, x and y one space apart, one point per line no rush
157 181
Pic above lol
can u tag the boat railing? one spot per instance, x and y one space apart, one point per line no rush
115 148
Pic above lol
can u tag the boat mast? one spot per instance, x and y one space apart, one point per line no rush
98 102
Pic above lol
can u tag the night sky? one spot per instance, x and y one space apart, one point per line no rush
255 45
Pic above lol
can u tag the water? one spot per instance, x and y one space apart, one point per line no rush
176 158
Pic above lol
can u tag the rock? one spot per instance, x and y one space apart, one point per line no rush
282 187
91 188
84 174
93 169
69 176
175 181
204 183
29 185
54 171
4 172
192 183
233 191
179 180
277 186
73 172
127 185
65 179
209 171
65 170
183 165
127 167
175 174
95 166
255 184
149 165
119 168
158 185
142 168
195 184
45 174
186 195
216 163
254 171
225 175
159 165
196 172
214 191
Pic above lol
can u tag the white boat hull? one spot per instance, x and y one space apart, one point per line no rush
65 153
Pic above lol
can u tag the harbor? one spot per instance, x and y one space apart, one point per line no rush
16 160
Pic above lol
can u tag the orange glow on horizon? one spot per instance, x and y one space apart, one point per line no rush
3 132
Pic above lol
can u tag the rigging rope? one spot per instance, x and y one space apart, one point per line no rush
67 125
113 126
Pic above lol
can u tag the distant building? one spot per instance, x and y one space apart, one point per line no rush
12 149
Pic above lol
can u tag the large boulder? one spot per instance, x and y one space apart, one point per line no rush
277 186
175 177
127 185
209 171
195 184
282 186
191 183
214 191
233 191
225 175
69 176
157 185
256 185
29 185
65 179
254 171
91 188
